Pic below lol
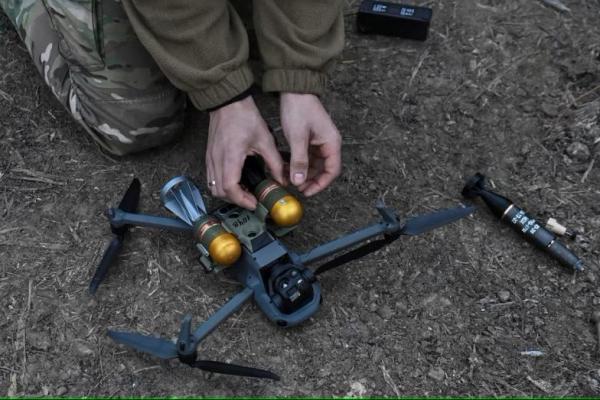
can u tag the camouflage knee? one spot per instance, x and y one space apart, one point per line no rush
91 59
128 125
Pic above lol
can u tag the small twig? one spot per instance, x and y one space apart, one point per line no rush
29 295
32 179
7 230
586 93
508 303
514 63
160 267
6 96
542 385
137 371
34 176
415 72
38 246
557 5
388 379
588 170
7 369
237 317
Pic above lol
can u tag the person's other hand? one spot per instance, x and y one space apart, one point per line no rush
236 131
315 142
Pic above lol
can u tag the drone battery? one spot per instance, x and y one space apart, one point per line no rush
393 19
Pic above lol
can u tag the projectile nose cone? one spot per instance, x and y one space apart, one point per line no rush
473 185
225 249
287 211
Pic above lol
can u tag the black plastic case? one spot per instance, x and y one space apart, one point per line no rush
394 19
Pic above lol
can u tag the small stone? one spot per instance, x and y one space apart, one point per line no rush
83 349
592 133
525 149
40 340
357 389
594 385
437 374
401 307
385 312
426 333
362 330
504 296
578 151
551 110
435 301
61 391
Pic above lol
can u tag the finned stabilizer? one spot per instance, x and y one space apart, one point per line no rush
183 198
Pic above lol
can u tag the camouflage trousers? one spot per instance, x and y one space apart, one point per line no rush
89 56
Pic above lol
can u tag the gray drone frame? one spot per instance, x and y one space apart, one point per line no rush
247 268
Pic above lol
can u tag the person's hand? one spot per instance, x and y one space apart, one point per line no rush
236 131
315 142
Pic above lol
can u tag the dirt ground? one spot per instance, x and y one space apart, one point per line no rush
511 89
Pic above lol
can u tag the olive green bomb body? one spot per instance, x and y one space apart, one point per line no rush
223 248
183 198
283 208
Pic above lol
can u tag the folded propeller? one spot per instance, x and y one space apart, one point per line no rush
185 350
129 203
412 227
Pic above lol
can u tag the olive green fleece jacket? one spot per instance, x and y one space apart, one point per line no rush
202 45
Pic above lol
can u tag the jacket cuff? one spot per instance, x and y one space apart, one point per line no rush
294 80
234 83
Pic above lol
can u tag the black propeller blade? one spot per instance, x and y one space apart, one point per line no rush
357 253
414 226
157 347
232 369
165 349
129 203
424 223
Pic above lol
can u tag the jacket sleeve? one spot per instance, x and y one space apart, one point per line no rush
298 41
200 45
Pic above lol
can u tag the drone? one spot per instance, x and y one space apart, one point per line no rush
246 245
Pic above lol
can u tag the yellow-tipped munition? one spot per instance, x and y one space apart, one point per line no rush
286 211
183 198
225 249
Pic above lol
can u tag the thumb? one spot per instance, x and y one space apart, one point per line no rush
299 160
272 158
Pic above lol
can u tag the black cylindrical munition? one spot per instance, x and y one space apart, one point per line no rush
517 218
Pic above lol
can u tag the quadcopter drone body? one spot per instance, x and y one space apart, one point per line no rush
248 247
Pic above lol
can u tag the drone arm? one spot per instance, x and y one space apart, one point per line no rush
348 241
222 314
118 218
